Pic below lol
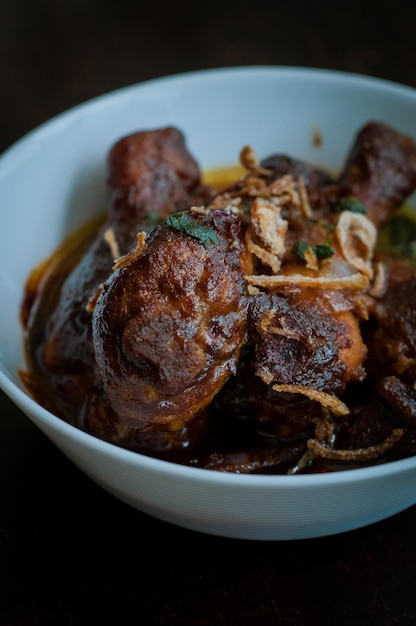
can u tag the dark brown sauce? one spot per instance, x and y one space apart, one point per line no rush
40 298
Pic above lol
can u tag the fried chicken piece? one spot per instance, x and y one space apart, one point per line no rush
169 324
151 174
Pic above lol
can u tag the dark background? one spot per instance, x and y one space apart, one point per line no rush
72 555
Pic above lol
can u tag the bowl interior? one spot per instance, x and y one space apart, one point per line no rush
53 179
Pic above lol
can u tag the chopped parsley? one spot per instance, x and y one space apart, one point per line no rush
183 222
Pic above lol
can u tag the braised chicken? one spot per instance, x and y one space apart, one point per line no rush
252 329
305 326
169 324
151 174
380 170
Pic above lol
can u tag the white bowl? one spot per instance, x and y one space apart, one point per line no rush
54 178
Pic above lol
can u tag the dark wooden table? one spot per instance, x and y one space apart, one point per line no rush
72 555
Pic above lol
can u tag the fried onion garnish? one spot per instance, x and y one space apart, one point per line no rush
325 451
379 283
249 160
355 281
311 259
110 238
130 257
327 400
92 300
357 238
120 262
303 197
268 225
265 237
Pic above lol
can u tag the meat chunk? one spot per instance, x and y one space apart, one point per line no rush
151 174
169 325
302 341
401 397
380 170
391 336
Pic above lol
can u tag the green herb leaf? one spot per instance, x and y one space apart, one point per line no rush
349 203
183 222
300 248
321 251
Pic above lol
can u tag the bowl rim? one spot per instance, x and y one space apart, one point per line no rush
140 461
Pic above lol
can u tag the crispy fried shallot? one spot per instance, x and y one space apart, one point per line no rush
357 238
266 236
325 399
325 451
355 281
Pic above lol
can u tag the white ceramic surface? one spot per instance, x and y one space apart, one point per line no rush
54 178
